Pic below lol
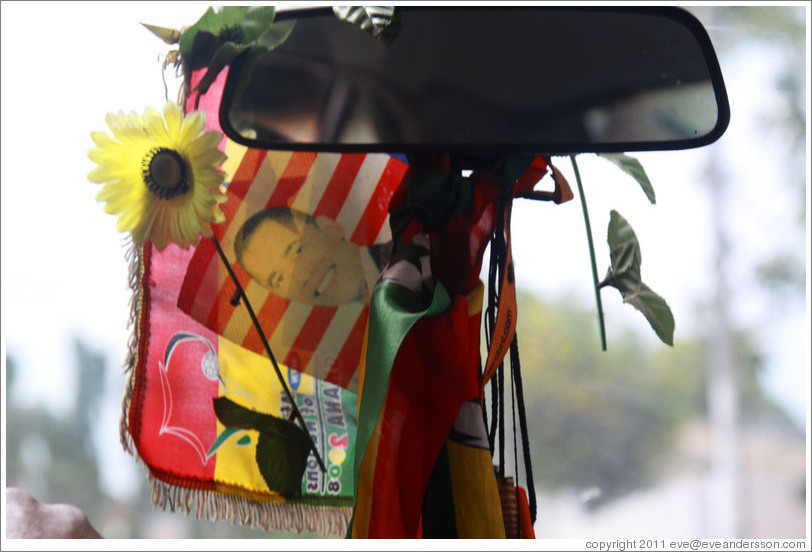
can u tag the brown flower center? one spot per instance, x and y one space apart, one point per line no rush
164 173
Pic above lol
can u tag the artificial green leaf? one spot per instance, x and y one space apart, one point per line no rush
632 167
656 311
220 36
212 22
625 276
624 251
256 22
170 36
276 34
381 22
625 273
209 22
620 233
222 57
203 48
231 16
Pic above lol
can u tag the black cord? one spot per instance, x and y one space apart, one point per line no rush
515 441
528 467
500 376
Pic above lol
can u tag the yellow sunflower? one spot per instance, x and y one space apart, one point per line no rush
160 175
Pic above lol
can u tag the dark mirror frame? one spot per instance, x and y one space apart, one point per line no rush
676 14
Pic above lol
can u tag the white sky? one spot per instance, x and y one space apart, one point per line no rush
63 267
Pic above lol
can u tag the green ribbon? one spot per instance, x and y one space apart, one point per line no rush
393 311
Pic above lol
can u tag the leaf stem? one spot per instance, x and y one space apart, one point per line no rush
267 346
591 252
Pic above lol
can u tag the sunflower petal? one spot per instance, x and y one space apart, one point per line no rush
210 158
192 124
160 232
104 140
154 125
104 173
210 178
101 156
130 218
173 118
207 140
190 226
217 214
117 123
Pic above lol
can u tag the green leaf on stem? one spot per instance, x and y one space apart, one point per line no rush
624 252
633 168
624 274
656 311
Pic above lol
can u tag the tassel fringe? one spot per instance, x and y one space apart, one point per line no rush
136 272
268 516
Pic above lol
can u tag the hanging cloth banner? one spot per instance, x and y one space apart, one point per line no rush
202 412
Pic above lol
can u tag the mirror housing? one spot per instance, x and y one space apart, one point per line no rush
483 80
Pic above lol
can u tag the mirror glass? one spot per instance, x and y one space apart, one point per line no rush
484 79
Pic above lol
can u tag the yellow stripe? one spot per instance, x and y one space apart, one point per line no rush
477 505
278 160
475 298
248 380
235 153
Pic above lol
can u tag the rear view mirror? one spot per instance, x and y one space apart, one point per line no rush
484 80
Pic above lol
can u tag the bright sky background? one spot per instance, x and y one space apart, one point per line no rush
65 65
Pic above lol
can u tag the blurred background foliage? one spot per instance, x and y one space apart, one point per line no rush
608 423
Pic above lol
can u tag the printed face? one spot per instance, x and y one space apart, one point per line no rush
313 265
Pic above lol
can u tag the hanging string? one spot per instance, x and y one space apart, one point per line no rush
500 376
496 433
498 254
515 367
495 412
515 445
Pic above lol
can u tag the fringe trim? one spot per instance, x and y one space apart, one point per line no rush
268 516
136 273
